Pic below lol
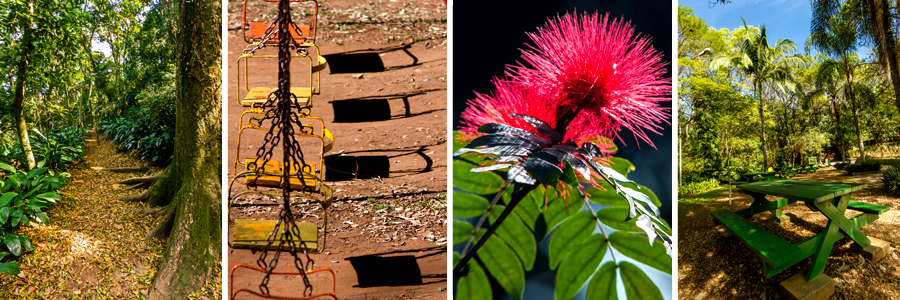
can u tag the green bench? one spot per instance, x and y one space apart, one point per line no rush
774 251
752 177
786 172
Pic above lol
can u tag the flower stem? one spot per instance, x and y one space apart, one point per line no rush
485 215
606 236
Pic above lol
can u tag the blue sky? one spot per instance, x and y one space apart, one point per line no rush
783 19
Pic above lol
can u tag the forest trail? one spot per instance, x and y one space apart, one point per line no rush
94 246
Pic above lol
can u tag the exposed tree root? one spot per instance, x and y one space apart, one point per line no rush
146 180
156 212
136 186
127 170
142 197
164 228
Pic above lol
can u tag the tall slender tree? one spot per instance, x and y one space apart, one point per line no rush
22 65
839 41
762 63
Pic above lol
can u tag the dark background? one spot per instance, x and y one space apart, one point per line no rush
487 36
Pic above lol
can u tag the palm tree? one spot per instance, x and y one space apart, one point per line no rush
762 63
839 40
874 24
828 79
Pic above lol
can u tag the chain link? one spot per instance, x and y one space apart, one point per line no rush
283 119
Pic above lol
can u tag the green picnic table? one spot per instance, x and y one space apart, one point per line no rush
809 168
785 172
829 198
751 177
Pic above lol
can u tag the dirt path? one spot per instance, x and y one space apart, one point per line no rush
93 247
384 96
712 267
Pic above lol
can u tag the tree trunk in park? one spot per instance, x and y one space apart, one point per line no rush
188 191
852 95
762 125
881 16
21 76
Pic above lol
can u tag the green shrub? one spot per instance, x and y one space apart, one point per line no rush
699 187
840 166
156 146
891 179
23 199
866 166
59 150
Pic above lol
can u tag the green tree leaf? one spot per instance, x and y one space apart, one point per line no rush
6 199
503 265
485 183
475 284
637 284
461 231
517 236
468 205
578 267
635 247
575 230
603 285
614 217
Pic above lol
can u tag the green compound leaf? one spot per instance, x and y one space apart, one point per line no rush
461 231
603 286
573 231
621 165
516 235
635 247
637 284
558 209
485 183
475 284
605 197
503 264
578 267
468 205
614 217
527 209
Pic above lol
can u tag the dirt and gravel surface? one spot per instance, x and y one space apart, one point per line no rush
384 96
713 267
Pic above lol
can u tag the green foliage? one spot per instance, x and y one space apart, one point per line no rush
23 199
890 179
577 248
863 166
59 150
699 187
840 166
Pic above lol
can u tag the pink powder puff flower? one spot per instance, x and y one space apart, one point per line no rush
593 75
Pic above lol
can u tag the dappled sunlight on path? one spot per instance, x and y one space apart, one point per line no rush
93 246
713 267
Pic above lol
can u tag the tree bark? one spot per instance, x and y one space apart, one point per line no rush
21 79
194 243
881 15
852 95
762 125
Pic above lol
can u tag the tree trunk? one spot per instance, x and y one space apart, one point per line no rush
21 79
194 178
881 15
762 125
852 95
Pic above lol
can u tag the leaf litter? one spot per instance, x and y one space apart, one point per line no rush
94 246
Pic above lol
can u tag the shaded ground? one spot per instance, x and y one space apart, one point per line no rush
384 96
93 247
713 267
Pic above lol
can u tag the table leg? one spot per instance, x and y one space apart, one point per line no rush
836 214
760 200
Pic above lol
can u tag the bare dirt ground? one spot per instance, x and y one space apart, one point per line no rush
384 96
713 267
